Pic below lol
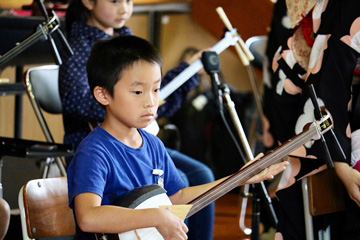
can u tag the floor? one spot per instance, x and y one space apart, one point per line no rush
227 210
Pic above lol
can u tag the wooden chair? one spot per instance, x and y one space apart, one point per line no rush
44 210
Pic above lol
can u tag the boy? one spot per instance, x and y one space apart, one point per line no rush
125 75
88 21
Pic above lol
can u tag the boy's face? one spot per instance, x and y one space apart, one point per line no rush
109 14
136 96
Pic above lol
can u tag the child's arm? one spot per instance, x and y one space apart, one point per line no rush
187 194
92 217
350 178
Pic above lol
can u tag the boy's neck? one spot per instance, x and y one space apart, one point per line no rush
128 136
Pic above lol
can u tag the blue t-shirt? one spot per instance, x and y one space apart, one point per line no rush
105 166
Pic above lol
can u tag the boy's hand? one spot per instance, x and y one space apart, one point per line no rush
191 59
172 227
268 173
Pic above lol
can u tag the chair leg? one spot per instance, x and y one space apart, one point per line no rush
61 166
324 234
45 171
48 163
307 217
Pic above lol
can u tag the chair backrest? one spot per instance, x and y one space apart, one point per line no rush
257 46
42 83
44 210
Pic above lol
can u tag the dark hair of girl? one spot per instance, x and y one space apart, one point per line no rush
76 11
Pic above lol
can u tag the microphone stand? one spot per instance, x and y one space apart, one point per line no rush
259 190
246 56
211 65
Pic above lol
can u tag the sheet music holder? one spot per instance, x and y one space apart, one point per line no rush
33 149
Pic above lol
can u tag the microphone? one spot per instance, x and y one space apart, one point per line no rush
211 63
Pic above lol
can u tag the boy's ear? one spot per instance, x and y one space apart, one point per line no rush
100 95
89 4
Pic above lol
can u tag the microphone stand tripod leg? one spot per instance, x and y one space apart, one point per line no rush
255 220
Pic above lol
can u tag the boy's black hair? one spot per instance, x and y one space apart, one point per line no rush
109 58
